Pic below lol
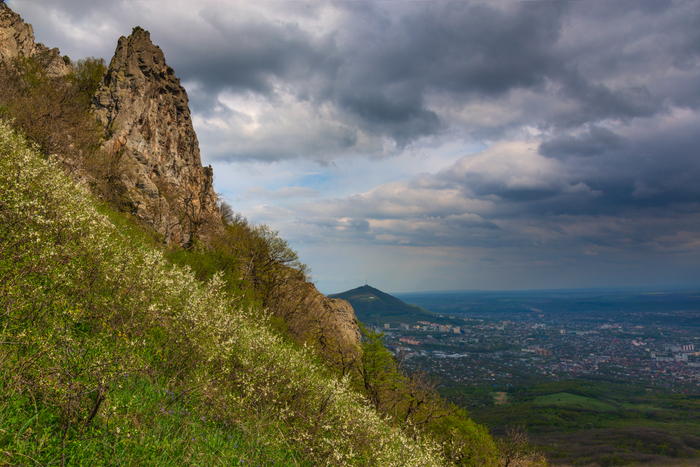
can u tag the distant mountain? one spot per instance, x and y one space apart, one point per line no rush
372 305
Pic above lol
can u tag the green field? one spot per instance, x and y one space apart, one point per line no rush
565 399
589 423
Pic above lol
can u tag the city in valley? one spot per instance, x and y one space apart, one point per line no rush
506 352
594 377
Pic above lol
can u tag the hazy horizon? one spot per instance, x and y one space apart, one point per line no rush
641 290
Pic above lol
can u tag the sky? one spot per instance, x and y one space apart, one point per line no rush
436 145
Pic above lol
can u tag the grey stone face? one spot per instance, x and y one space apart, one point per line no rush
146 111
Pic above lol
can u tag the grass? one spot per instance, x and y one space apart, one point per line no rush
565 399
147 425
639 407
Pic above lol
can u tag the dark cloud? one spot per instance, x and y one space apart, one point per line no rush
379 63
392 63
247 56
598 102
654 165
595 141
360 225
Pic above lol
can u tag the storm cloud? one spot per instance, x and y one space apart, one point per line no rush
510 138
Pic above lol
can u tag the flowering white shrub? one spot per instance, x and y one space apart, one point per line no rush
85 307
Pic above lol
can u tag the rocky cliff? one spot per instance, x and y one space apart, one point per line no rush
329 324
17 40
345 320
146 113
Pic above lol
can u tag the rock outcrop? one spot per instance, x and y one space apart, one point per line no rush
17 40
346 322
149 130
331 322
339 317
146 113
328 323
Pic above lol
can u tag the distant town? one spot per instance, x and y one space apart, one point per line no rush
502 353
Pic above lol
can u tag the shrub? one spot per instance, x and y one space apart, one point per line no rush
51 113
86 77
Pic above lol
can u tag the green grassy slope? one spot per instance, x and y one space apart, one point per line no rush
565 399
112 355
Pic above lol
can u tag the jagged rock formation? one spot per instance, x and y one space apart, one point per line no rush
17 40
146 112
149 130
342 321
328 323
334 324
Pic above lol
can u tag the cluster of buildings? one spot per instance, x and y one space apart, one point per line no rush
421 326
507 352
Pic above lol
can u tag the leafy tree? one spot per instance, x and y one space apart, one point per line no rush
377 368
86 76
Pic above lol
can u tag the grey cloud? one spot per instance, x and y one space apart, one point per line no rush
594 141
377 65
653 165
283 193
471 222
400 113
245 57
360 225
598 102
333 230
460 48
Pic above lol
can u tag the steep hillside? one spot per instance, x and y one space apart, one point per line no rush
372 305
109 350
150 167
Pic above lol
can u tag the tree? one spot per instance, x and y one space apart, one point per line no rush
379 374
86 77
50 111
